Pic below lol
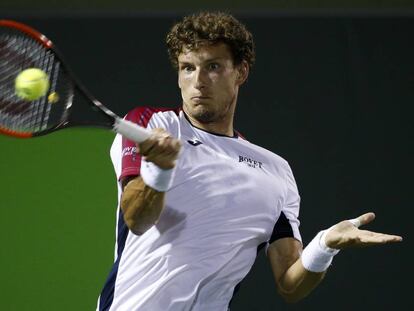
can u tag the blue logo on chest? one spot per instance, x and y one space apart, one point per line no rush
194 142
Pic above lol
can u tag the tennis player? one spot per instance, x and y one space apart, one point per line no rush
197 200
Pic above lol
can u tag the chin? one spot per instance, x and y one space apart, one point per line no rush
203 115
207 117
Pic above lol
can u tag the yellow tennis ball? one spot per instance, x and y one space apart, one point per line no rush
31 84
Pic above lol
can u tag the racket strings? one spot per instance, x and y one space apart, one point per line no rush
19 52
38 120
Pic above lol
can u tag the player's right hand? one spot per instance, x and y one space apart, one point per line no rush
160 148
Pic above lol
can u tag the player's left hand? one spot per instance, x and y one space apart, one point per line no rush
347 234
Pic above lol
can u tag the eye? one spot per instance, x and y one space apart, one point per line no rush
213 66
187 68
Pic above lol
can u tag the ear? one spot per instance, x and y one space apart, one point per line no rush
242 72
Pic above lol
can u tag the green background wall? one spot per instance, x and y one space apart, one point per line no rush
332 94
56 220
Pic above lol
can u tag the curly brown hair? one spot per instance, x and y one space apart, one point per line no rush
211 28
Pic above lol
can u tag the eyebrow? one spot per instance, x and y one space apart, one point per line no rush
206 61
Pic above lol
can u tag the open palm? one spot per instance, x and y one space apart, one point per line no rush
347 234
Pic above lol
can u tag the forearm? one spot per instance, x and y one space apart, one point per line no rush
288 261
297 282
141 205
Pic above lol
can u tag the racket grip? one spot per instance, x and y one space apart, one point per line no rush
131 130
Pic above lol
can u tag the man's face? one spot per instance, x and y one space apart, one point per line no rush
209 82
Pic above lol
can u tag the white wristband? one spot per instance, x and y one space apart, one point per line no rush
156 177
317 256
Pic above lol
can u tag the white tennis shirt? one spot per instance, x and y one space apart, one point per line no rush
228 197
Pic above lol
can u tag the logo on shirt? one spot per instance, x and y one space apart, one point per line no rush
250 162
194 142
130 151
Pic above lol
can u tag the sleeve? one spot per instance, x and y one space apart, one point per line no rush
130 158
288 222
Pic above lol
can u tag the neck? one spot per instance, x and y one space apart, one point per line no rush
221 127
221 124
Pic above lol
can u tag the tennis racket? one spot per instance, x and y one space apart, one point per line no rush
22 47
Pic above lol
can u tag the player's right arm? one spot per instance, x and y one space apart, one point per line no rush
142 205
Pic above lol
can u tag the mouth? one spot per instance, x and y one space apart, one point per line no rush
200 98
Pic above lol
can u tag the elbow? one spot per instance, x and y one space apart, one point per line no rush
291 297
140 213
132 226
130 219
131 216
136 227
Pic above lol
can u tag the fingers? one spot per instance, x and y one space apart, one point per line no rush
367 238
161 149
370 237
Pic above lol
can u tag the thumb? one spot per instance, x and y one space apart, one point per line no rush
363 219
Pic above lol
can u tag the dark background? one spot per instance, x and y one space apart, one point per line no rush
331 92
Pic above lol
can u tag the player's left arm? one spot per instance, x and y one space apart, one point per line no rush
288 261
293 281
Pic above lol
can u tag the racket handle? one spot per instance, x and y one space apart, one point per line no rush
131 130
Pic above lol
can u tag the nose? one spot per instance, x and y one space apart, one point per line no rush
200 79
